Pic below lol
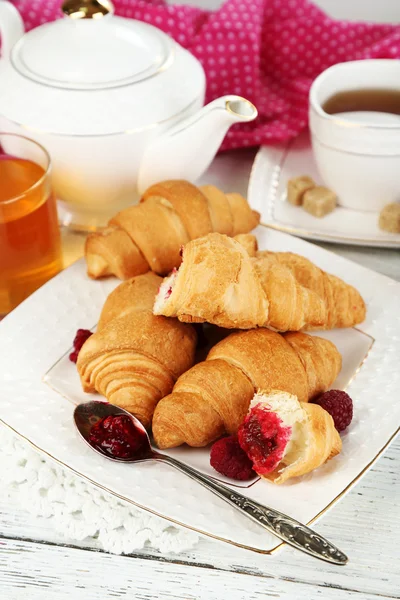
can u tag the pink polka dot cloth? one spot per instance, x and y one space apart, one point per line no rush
268 51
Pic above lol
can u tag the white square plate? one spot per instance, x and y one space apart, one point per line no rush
272 168
39 387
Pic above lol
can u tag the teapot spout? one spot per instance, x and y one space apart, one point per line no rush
186 150
11 27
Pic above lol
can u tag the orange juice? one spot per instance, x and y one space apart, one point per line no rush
29 235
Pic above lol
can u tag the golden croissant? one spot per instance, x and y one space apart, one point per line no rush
286 438
134 358
219 283
149 236
229 283
213 397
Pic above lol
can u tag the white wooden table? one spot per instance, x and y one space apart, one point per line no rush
36 564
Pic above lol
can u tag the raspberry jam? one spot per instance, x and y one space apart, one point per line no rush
117 436
264 437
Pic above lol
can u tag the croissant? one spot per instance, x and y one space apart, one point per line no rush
286 438
213 397
218 282
280 290
149 236
344 304
134 358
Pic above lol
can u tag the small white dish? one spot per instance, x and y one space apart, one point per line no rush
272 168
39 388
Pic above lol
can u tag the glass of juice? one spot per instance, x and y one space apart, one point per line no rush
30 248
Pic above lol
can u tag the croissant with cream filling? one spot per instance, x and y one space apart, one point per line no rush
219 283
286 438
228 282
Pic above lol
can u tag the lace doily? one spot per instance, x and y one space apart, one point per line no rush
79 510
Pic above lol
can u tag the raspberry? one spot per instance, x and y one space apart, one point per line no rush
339 405
229 459
73 357
80 338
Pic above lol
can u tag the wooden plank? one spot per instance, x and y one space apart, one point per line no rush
35 571
365 524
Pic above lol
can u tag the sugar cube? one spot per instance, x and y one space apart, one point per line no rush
296 188
319 201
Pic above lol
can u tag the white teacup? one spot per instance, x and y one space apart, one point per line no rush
357 154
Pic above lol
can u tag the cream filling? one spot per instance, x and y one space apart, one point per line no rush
289 410
164 293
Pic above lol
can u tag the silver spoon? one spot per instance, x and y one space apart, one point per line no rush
287 529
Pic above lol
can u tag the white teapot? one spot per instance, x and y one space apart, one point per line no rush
117 103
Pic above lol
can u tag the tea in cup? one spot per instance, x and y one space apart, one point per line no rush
30 247
355 132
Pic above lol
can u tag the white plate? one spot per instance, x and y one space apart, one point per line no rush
272 168
39 387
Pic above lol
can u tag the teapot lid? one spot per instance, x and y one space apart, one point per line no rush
90 49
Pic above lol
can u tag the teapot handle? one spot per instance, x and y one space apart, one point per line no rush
11 27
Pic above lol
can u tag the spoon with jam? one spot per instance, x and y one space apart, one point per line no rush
118 435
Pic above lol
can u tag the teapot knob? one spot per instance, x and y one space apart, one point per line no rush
87 9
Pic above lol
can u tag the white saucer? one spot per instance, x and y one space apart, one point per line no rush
272 168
